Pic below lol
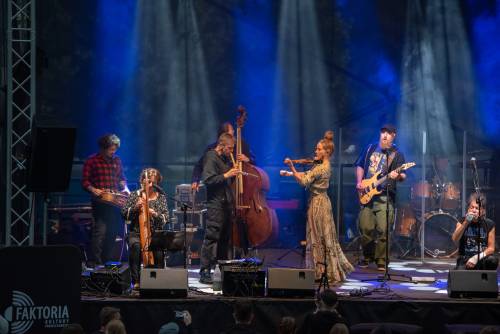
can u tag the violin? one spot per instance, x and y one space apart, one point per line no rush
306 161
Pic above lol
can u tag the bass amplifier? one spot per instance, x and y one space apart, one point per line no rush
243 281
193 219
196 199
115 280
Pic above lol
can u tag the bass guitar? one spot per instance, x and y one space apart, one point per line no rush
370 186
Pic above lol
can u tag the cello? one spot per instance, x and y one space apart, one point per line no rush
254 218
145 225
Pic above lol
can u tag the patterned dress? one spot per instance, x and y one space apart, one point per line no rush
320 233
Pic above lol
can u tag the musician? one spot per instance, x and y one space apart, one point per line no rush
246 156
372 216
103 172
158 211
322 242
472 228
217 176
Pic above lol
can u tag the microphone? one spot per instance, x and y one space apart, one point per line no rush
469 217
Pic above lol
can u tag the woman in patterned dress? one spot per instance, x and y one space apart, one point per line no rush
321 236
158 210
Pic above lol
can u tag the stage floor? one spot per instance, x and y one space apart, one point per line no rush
401 299
409 279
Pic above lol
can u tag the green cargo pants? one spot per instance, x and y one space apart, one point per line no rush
372 228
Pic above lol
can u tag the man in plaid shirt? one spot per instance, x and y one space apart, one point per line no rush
102 172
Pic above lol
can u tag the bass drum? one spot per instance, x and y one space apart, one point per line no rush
439 227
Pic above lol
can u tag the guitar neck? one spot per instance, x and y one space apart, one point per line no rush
384 178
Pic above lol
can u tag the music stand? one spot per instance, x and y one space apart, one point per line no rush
166 241
184 207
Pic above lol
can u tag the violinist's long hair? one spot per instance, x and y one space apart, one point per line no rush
327 142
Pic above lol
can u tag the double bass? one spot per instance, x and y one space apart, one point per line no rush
145 225
255 219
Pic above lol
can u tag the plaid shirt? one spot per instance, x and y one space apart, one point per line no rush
103 173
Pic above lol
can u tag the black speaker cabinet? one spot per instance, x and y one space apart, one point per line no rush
164 283
51 159
40 288
290 282
472 283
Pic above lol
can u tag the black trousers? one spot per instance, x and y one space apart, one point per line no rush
217 235
135 256
108 224
489 262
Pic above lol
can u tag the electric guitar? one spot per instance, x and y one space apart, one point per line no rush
370 186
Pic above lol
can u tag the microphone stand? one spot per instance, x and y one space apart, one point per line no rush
184 207
475 180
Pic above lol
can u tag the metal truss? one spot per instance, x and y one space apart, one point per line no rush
21 60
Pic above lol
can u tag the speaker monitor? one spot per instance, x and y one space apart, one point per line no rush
51 158
472 283
163 283
288 282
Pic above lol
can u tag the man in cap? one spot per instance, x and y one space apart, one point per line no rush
383 157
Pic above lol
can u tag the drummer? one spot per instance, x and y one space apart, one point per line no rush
475 237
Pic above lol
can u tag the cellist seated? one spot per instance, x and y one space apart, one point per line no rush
134 212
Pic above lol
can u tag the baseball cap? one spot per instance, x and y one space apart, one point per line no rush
388 127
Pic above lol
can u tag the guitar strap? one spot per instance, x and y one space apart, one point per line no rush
391 159
391 156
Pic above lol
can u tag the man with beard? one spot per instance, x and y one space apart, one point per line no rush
378 157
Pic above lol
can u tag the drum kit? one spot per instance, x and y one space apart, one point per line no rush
442 204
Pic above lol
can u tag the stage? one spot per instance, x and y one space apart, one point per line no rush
399 300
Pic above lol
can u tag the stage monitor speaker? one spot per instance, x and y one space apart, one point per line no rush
50 159
114 280
163 283
472 283
289 282
40 288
